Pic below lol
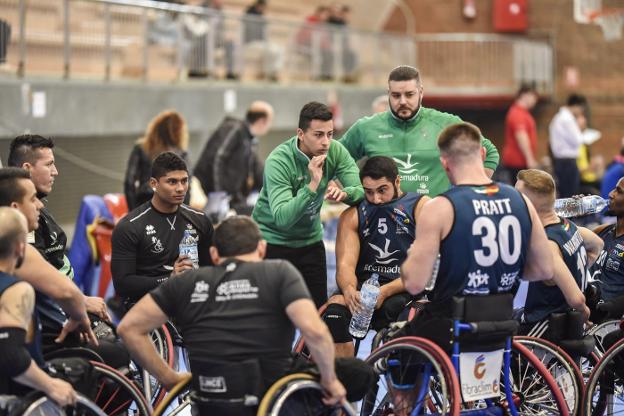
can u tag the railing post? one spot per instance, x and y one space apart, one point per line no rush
145 24
21 66
66 40
107 40
180 53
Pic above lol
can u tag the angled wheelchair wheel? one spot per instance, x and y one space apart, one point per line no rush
298 394
43 406
534 390
562 368
604 394
178 396
115 394
600 331
414 376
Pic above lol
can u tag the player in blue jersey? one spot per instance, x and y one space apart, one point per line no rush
609 268
574 249
373 237
487 234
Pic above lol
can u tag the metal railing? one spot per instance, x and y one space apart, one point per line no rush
150 40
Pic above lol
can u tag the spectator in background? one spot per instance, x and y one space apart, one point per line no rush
520 148
229 166
255 40
314 34
614 172
566 138
380 104
166 132
591 168
5 37
339 18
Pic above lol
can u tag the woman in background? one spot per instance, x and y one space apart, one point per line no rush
166 132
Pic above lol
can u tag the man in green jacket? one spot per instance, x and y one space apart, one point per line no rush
408 133
296 177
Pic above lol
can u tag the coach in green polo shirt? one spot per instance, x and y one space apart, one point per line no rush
296 177
408 133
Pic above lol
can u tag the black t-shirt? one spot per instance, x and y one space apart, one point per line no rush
50 240
235 311
146 244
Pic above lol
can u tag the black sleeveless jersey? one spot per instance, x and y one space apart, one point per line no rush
386 232
485 250
609 268
543 300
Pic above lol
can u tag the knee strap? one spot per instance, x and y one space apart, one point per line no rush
337 318
14 357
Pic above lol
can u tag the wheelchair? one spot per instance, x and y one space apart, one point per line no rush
604 394
415 376
37 404
292 395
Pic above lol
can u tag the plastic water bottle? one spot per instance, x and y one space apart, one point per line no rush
576 207
434 275
368 298
188 247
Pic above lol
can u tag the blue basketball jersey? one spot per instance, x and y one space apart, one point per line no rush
485 250
543 300
608 268
386 232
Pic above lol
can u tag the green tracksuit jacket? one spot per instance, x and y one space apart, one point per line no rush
413 144
287 211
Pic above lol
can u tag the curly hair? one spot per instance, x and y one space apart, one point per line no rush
167 131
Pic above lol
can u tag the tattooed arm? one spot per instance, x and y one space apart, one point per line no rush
16 308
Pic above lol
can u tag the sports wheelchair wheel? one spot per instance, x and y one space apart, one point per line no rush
117 395
180 392
150 387
561 366
412 373
298 394
600 331
44 406
535 391
604 394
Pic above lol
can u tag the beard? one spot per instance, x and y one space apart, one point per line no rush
411 114
19 261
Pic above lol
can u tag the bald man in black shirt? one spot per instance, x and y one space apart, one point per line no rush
146 241
238 322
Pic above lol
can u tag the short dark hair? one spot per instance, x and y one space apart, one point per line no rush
459 140
11 231
252 116
404 73
167 162
23 149
378 167
236 235
525 88
576 99
10 188
313 111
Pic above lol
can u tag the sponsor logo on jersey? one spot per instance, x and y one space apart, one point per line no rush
149 229
406 167
566 225
53 237
157 246
487 190
200 293
478 283
612 265
236 290
507 281
386 136
383 255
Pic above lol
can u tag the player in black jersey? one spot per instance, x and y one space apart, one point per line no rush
574 249
35 154
373 237
487 234
16 317
238 322
146 241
